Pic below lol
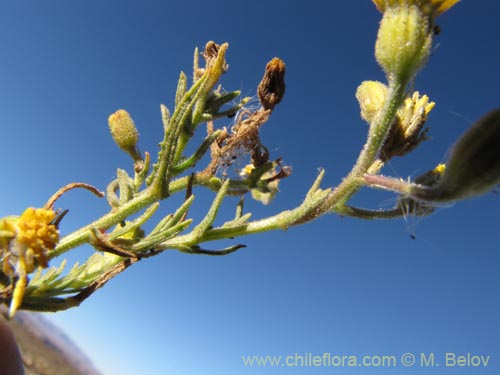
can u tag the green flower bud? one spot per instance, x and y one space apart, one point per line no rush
473 167
371 96
125 133
404 41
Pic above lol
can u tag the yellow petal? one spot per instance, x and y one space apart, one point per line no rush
443 5
19 288
437 6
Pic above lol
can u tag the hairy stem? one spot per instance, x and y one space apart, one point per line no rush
376 137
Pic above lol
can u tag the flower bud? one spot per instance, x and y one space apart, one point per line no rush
125 133
474 164
272 87
371 96
404 41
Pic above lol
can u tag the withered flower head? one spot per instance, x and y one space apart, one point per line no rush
210 55
211 50
272 86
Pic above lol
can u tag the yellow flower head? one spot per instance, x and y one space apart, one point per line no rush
24 243
36 232
432 7
413 113
27 238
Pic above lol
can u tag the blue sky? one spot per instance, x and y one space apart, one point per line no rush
343 286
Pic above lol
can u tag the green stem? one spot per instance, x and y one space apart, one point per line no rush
365 214
144 199
210 182
209 79
389 183
283 220
82 235
198 154
170 145
376 137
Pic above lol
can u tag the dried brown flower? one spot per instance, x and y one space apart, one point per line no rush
272 86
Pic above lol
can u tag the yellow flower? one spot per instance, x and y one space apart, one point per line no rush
431 7
247 170
36 232
24 243
440 169
408 131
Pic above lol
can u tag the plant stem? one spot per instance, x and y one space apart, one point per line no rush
379 129
82 235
